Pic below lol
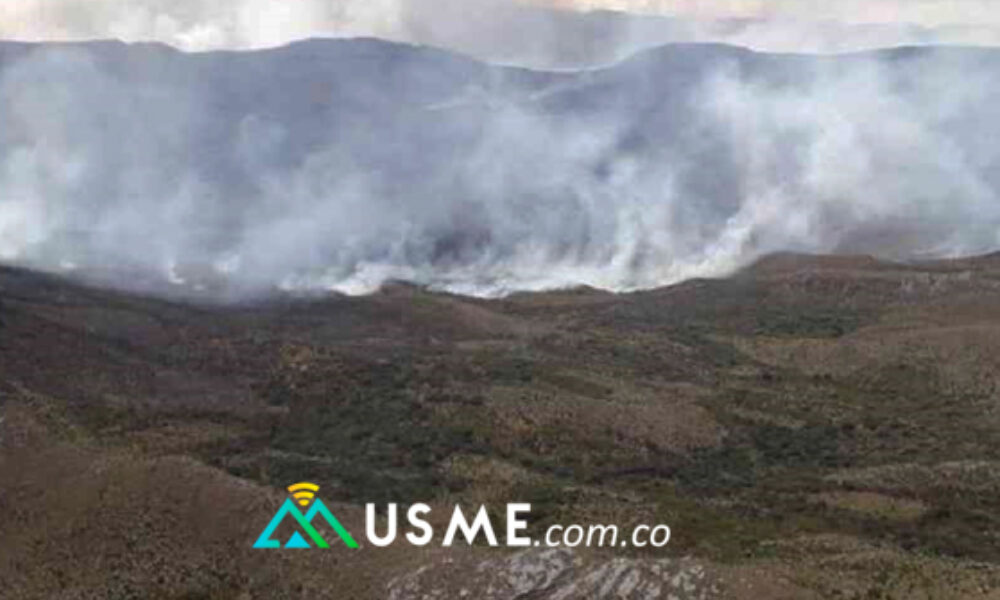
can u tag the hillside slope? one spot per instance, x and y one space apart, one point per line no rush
810 427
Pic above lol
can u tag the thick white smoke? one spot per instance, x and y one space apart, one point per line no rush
483 180
851 164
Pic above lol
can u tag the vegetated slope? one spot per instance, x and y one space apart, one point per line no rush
805 419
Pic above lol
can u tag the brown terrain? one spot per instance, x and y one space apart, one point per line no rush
811 427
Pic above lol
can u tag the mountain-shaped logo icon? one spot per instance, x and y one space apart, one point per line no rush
304 494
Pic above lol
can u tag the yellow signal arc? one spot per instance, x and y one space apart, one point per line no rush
304 498
312 487
303 492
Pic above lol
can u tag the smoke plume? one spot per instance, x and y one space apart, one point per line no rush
342 164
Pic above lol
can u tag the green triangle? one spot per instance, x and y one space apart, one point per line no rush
296 541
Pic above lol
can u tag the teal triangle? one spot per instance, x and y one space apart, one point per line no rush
296 541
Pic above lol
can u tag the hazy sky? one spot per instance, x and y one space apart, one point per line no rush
205 24
931 13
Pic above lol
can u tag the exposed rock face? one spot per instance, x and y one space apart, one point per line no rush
559 574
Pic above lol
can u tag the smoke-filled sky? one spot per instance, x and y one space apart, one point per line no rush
931 13
784 25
